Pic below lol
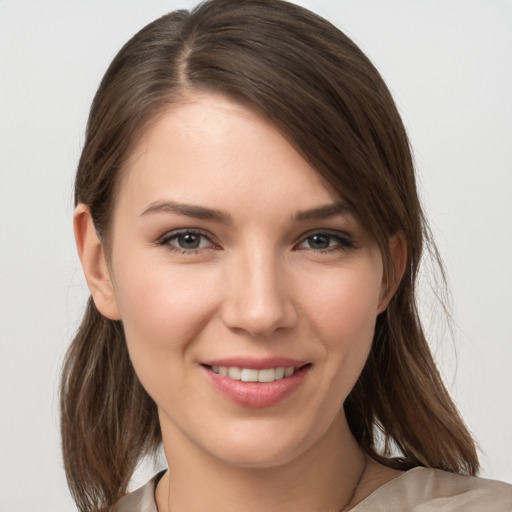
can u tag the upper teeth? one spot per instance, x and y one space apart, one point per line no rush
252 375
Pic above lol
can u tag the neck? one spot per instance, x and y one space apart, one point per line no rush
324 478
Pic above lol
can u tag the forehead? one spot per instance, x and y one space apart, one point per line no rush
210 148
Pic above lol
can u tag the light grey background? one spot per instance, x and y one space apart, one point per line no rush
448 64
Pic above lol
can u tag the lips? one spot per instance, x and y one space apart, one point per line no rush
256 383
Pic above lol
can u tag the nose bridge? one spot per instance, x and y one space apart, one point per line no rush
259 300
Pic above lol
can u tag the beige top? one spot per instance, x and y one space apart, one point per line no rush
417 490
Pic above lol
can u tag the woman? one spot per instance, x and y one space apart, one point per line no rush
249 228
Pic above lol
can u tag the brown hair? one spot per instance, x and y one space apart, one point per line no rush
318 88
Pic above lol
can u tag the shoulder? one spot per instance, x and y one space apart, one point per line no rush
141 500
429 490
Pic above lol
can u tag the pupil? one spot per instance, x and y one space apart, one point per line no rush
189 241
319 242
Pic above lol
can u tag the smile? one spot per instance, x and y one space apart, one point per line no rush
256 382
253 375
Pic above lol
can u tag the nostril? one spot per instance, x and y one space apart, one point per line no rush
256 302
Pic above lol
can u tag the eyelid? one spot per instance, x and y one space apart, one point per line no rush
346 241
165 239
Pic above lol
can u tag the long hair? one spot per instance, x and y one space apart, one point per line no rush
317 87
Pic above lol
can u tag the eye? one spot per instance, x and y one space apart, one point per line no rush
186 240
326 241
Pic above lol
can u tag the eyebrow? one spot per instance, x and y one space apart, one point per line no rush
200 212
188 210
322 212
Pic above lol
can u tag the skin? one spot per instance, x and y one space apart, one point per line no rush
263 282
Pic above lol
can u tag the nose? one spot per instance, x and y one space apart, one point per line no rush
258 298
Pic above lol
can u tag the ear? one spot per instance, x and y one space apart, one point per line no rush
94 263
390 283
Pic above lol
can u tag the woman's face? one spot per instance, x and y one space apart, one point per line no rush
231 259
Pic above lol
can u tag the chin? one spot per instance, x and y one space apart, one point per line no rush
259 457
259 446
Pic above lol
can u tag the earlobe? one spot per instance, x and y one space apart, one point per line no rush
94 264
390 283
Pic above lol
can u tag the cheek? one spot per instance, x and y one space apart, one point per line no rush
163 310
346 302
156 295
345 310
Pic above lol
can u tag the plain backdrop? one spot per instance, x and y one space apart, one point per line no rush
449 66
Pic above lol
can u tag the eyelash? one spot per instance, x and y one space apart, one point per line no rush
342 241
175 235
